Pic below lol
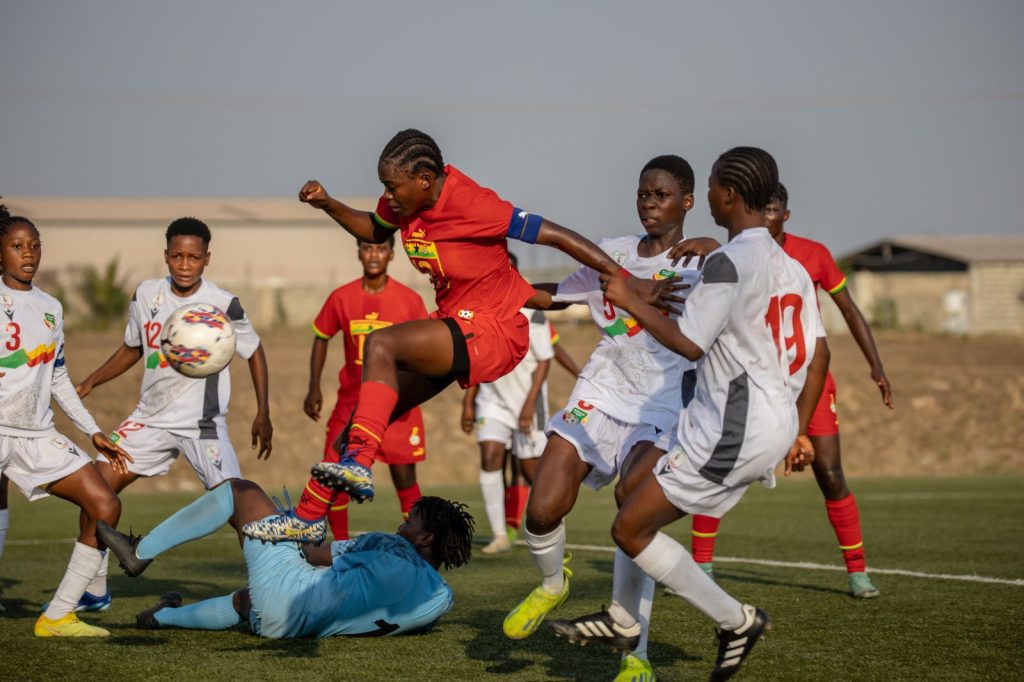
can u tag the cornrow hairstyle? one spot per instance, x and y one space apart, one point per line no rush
4 213
752 172
781 195
7 221
415 151
677 166
452 527
189 227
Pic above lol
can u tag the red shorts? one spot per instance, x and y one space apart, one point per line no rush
825 420
495 346
404 440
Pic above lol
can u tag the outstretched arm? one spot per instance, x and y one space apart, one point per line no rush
116 365
862 333
543 298
359 224
262 429
663 329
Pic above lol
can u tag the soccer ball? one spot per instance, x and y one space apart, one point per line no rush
198 340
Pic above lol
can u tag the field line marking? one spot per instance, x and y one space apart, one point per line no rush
939 496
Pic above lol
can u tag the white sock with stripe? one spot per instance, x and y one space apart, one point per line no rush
82 567
632 599
547 552
492 486
669 563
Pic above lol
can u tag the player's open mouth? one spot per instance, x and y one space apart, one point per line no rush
28 267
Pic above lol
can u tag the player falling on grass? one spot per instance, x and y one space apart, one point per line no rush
628 398
176 414
456 232
751 318
33 455
377 584
510 414
372 302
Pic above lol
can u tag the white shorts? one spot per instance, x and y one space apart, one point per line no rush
34 463
602 441
498 425
213 459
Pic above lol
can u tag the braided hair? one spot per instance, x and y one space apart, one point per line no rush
415 151
7 221
4 213
677 167
781 195
452 527
752 172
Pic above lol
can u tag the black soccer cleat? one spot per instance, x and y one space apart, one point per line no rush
735 645
598 627
123 546
147 619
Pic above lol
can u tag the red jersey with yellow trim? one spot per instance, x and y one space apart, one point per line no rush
818 262
356 312
460 242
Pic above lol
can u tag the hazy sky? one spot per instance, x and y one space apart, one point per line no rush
885 117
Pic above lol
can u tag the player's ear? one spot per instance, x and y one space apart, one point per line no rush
785 216
688 201
425 180
425 540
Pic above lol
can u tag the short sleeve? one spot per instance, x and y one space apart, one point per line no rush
540 336
384 216
832 278
328 321
246 338
133 331
708 308
492 216
576 287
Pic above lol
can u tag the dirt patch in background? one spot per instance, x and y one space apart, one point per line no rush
959 408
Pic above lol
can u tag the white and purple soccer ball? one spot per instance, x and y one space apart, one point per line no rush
198 340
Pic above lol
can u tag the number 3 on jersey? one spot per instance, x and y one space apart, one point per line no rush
786 311
13 332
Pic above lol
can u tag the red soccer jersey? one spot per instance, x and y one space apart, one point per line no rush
460 242
817 261
355 312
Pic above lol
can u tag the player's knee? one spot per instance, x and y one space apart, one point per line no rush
623 535
541 518
833 483
378 348
105 507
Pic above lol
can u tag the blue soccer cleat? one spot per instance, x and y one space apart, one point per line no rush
88 602
347 476
286 527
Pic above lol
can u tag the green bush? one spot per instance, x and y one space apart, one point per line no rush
106 295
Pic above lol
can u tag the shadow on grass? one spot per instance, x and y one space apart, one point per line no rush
559 659
278 648
134 640
753 577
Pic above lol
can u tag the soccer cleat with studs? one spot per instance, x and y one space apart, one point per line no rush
286 527
123 546
526 617
861 586
735 645
598 627
634 669
67 626
147 619
346 476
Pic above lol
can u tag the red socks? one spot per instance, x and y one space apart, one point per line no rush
376 403
337 517
407 497
845 520
315 500
515 504
702 544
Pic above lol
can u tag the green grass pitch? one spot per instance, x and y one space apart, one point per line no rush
923 626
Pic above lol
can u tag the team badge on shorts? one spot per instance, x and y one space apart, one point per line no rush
414 437
578 414
213 454
465 315
60 443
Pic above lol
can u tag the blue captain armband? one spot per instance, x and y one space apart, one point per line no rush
524 226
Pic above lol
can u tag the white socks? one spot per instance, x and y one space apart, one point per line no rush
548 552
632 599
669 563
85 562
5 519
98 586
492 485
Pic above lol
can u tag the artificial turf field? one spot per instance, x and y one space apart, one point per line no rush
923 626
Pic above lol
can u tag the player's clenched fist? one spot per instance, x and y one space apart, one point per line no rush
314 194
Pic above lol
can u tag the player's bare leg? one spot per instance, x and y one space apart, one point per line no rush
842 513
492 488
555 489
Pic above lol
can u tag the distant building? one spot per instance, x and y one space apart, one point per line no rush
960 284
281 257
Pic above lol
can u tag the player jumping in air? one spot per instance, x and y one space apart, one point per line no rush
628 398
456 232
823 429
33 455
377 584
742 420
372 302
176 414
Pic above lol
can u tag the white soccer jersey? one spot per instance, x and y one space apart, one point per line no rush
32 362
511 390
629 375
169 400
794 318
743 416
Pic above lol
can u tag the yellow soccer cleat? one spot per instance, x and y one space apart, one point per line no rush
635 669
68 626
524 619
